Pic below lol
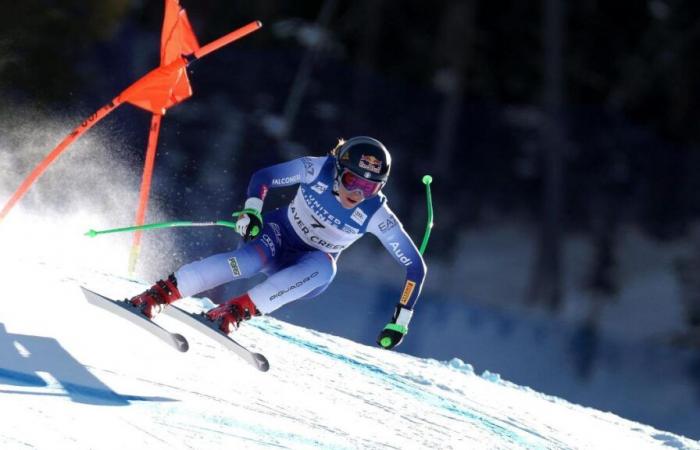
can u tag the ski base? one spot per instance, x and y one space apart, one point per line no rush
209 328
126 310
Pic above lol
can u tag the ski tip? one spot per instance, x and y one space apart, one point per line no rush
86 290
180 342
262 363
91 295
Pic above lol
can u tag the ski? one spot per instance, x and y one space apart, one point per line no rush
126 310
209 328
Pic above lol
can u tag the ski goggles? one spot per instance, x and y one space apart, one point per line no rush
353 182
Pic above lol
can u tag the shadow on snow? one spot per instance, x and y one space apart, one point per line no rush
23 356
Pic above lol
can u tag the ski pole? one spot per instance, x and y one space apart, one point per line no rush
427 179
180 223
153 226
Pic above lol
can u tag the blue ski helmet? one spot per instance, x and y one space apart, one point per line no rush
365 157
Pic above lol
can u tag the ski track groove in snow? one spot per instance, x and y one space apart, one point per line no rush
321 392
433 399
151 435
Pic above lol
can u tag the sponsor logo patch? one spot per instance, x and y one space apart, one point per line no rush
371 163
405 260
359 216
407 291
352 230
285 181
319 187
309 166
233 263
388 224
277 231
296 285
267 240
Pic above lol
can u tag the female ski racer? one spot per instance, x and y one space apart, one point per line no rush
339 199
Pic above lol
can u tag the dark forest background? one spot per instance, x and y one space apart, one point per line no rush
574 116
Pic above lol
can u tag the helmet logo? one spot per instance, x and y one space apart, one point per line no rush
371 163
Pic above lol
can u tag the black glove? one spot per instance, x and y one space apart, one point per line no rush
394 332
254 227
250 221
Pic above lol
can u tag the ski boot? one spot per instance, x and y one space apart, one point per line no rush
229 315
152 301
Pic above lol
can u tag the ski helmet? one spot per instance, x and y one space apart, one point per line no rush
366 157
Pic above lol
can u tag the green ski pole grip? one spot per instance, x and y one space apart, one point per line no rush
427 179
253 212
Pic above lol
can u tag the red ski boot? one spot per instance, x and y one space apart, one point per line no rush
230 314
151 301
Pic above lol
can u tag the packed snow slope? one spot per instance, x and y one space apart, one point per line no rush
76 377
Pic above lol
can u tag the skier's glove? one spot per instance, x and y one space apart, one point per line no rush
394 331
249 223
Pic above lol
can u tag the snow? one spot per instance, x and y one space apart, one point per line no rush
73 376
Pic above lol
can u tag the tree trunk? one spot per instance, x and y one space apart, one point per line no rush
547 281
303 75
453 52
370 14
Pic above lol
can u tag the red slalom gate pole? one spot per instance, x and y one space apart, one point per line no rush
149 164
227 39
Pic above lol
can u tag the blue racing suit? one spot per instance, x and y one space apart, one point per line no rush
298 246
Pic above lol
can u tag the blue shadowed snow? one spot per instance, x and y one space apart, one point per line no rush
21 379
